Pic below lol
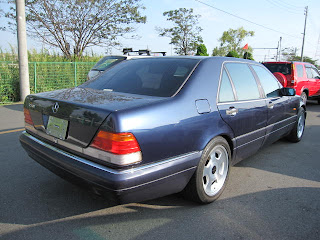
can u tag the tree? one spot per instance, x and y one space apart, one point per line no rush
74 25
202 50
233 54
232 40
185 32
248 55
219 51
290 54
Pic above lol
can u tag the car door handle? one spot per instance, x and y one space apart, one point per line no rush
270 105
232 111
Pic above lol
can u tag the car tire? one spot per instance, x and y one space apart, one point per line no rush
210 178
298 130
304 97
319 101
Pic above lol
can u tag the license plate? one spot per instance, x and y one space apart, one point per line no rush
57 127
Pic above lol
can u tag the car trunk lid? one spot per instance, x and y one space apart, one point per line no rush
75 115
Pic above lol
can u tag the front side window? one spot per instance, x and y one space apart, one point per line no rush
225 92
309 72
243 80
161 77
269 83
315 73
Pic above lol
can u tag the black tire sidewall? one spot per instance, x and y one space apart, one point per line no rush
293 136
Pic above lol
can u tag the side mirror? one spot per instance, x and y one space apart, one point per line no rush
287 92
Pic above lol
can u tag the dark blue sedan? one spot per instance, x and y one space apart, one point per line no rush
150 127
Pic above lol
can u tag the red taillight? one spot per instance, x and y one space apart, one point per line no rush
117 143
27 116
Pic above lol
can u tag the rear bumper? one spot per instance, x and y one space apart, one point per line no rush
130 185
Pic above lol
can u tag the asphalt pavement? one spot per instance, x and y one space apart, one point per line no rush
274 194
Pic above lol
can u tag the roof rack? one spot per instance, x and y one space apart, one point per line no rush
127 51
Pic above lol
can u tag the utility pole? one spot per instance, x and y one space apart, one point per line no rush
280 49
22 49
277 52
304 31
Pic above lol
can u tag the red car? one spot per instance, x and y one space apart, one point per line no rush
303 77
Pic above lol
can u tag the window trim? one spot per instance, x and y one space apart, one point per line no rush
232 84
258 79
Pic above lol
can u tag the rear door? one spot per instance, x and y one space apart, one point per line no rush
242 107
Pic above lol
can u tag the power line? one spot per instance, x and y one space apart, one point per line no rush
260 25
290 5
285 6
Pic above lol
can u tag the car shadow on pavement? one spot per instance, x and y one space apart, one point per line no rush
288 213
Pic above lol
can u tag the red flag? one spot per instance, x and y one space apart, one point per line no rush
246 46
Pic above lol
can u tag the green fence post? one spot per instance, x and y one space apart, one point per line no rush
35 77
75 74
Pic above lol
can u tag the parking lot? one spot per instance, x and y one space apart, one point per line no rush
274 194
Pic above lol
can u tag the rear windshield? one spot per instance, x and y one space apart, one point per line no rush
284 68
160 77
107 62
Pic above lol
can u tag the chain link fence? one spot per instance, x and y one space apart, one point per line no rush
43 76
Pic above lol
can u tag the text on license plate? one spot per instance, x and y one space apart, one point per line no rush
57 127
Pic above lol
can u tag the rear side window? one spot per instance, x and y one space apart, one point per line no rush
107 62
269 83
284 68
226 92
243 81
299 70
160 77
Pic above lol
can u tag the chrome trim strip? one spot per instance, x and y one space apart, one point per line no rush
279 128
244 101
264 128
106 169
158 179
250 142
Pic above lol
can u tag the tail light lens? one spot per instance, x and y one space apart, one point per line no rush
27 116
116 143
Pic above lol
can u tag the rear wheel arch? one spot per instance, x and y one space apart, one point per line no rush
223 135
228 139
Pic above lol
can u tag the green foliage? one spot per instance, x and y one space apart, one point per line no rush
74 25
202 50
218 51
248 55
47 71
233 54
185 34
290 54
232 40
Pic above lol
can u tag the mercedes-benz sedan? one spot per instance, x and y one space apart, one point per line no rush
150 127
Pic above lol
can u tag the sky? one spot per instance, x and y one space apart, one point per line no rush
269 19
